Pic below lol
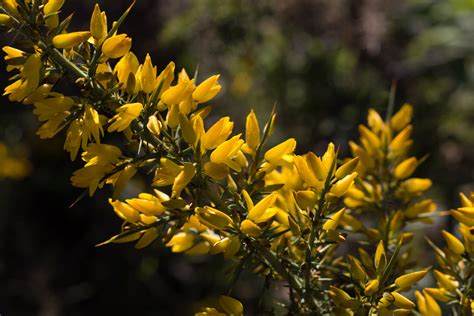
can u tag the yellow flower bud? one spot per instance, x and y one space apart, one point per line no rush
407 280
445 281
147 76
338 295
341 186
125 211
347 168
405 168
374 120
306 199
465 202
416 185
148 237
402 117
69 40
5 19
217 171
172 117
371 287
252 131
98 25
116 46
463 218
357 271
166 77
147 204
372 140
334 221
438 294
402 302
212 217
187 130
250 228
424 206
454 244
432 307
380 258
231 306
181 242
401 141
154 125
53 6
178 93
207 90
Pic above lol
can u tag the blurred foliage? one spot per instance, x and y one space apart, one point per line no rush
323 63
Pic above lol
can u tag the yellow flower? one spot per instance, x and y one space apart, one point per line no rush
225 152
183 178
91 177
125 211
341 186
401 301
166 173
212 217
181 242
48 108
116 46
445 281
5 19
257 212
347 168
281 153
207 90
217 134
69 40
101 154
52 126
187 130
126 114
178 93
154 125
371 287
334 220
166 77
250 228
127 67
147 204
454 244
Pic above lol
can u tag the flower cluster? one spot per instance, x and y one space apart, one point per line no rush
214 191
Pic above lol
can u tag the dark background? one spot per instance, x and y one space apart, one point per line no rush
323 63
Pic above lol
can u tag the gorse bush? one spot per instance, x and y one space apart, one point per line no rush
279 215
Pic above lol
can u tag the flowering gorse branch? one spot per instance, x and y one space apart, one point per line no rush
214 191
